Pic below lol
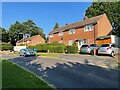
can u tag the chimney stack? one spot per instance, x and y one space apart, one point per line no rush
85 18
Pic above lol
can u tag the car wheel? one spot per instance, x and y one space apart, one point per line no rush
112 54
92 52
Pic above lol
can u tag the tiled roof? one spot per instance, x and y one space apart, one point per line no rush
27 39
78 24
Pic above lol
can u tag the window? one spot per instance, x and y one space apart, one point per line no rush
71 42
72 31
105 45
114 45
51 35
88 28
61 33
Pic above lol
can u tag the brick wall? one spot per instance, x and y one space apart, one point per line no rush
102 28
34 41
79 35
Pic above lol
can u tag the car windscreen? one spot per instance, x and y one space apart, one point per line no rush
105 45
84 45
27 50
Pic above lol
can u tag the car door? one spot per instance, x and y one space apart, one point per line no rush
23 52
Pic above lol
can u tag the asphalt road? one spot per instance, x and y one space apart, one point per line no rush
67 74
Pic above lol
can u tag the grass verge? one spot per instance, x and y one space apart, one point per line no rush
15 77
17 53
47 54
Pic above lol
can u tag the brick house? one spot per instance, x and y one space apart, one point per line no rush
85 31
31 41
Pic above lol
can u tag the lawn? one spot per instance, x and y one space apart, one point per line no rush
17 53
15 77
47 54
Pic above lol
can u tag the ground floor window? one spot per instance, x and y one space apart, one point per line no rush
71 42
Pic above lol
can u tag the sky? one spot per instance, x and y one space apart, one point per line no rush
44 14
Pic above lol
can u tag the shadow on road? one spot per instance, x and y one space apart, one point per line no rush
72 75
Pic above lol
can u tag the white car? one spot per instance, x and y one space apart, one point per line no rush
26 52
88 48
110 49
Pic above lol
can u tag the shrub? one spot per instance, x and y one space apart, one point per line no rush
55 43
54 47
41 47
119 64
74 44
72 49
21 45
5 46
31 47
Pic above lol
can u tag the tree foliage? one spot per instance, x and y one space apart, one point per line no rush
4 35
28 27
56 26
111 9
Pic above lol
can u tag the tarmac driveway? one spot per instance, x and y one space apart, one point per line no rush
67 74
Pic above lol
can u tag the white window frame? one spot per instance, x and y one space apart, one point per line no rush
71 42
51 35
72 31
88 28
60 33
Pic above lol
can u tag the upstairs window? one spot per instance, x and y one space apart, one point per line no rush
72 31
61 33
51 35
88 28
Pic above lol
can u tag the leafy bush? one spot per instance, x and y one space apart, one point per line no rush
54 47
31 47
6 46
119 64
41 47
72 49
21 45
74 44
55 43
57 49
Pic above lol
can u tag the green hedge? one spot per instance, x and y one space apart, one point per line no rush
31 47
55 47
72 49
119 63
5 46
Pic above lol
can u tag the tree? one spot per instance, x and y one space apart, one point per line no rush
56 26
4 35
111 9
24 28
14 31
33 29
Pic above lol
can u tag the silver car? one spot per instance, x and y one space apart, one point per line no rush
88 48
26 52
110 49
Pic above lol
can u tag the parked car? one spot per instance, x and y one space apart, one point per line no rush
88 48
26 52
110 49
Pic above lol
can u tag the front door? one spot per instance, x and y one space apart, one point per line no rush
80 43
